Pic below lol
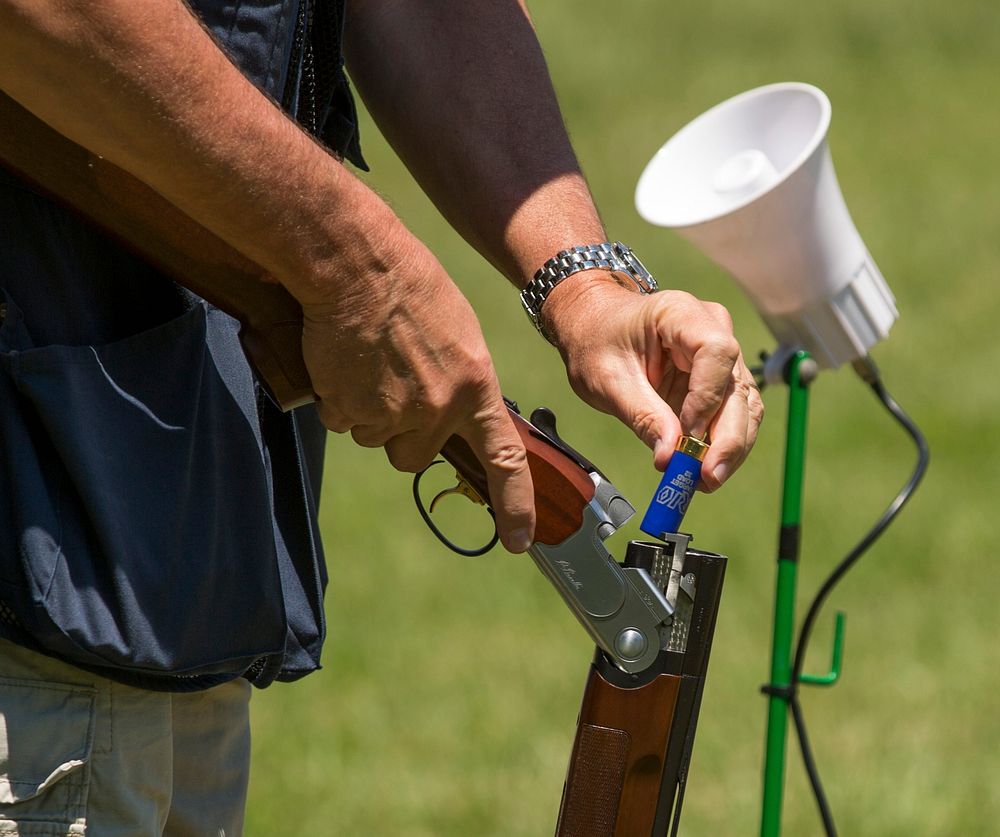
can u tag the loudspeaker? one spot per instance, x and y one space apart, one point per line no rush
751 183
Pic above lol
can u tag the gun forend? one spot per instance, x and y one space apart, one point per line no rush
635 732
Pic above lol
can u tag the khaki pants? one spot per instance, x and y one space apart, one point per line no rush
82 755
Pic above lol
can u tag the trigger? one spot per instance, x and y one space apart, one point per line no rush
461 488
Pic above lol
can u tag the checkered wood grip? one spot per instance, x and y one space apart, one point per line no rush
594 785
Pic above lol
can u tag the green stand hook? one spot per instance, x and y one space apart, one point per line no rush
836 660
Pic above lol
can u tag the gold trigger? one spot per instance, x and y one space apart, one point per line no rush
463 488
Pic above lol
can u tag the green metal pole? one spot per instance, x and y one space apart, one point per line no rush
801 372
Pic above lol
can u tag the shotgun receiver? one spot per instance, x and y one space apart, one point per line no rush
652 616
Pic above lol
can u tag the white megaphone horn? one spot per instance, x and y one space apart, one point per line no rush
751 183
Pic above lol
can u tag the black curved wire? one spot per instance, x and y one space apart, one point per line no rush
825 814
867 370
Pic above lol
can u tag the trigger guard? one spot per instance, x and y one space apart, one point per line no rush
468 553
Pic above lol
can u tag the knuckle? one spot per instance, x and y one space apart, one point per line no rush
744 389
644 424
729 449
510 457
332 419
719 355
719 312
388 408
436 402
722 345
368 436
755 404
703 401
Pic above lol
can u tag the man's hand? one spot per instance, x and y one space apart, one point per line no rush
397 359
507 179
664 364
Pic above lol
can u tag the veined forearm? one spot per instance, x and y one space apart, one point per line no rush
144 85
462 92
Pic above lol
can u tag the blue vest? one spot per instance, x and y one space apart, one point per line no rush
157 512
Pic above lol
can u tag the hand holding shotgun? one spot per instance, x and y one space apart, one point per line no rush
639 710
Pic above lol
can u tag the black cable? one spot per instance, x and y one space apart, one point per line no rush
825 814
868 372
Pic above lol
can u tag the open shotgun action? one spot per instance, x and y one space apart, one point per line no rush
652 617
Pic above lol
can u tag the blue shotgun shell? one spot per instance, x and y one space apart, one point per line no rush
666 509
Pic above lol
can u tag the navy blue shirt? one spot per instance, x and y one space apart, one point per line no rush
157 511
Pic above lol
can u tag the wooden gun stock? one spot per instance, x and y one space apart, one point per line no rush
635 733
158 232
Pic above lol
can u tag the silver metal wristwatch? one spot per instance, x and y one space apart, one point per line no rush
613 257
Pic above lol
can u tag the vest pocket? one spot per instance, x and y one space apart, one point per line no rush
140 532
45 744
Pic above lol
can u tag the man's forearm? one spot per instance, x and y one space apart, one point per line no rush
144 85
462 92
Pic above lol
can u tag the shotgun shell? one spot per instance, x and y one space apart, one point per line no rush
666 509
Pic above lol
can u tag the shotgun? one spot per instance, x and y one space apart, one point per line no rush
652 616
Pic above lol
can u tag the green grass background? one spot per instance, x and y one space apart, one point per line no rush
448 700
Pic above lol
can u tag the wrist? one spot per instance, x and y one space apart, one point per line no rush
580 297
347 254
615 261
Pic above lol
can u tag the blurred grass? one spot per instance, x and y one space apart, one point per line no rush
450 690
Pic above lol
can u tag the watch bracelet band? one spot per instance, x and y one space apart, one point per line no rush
613 257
